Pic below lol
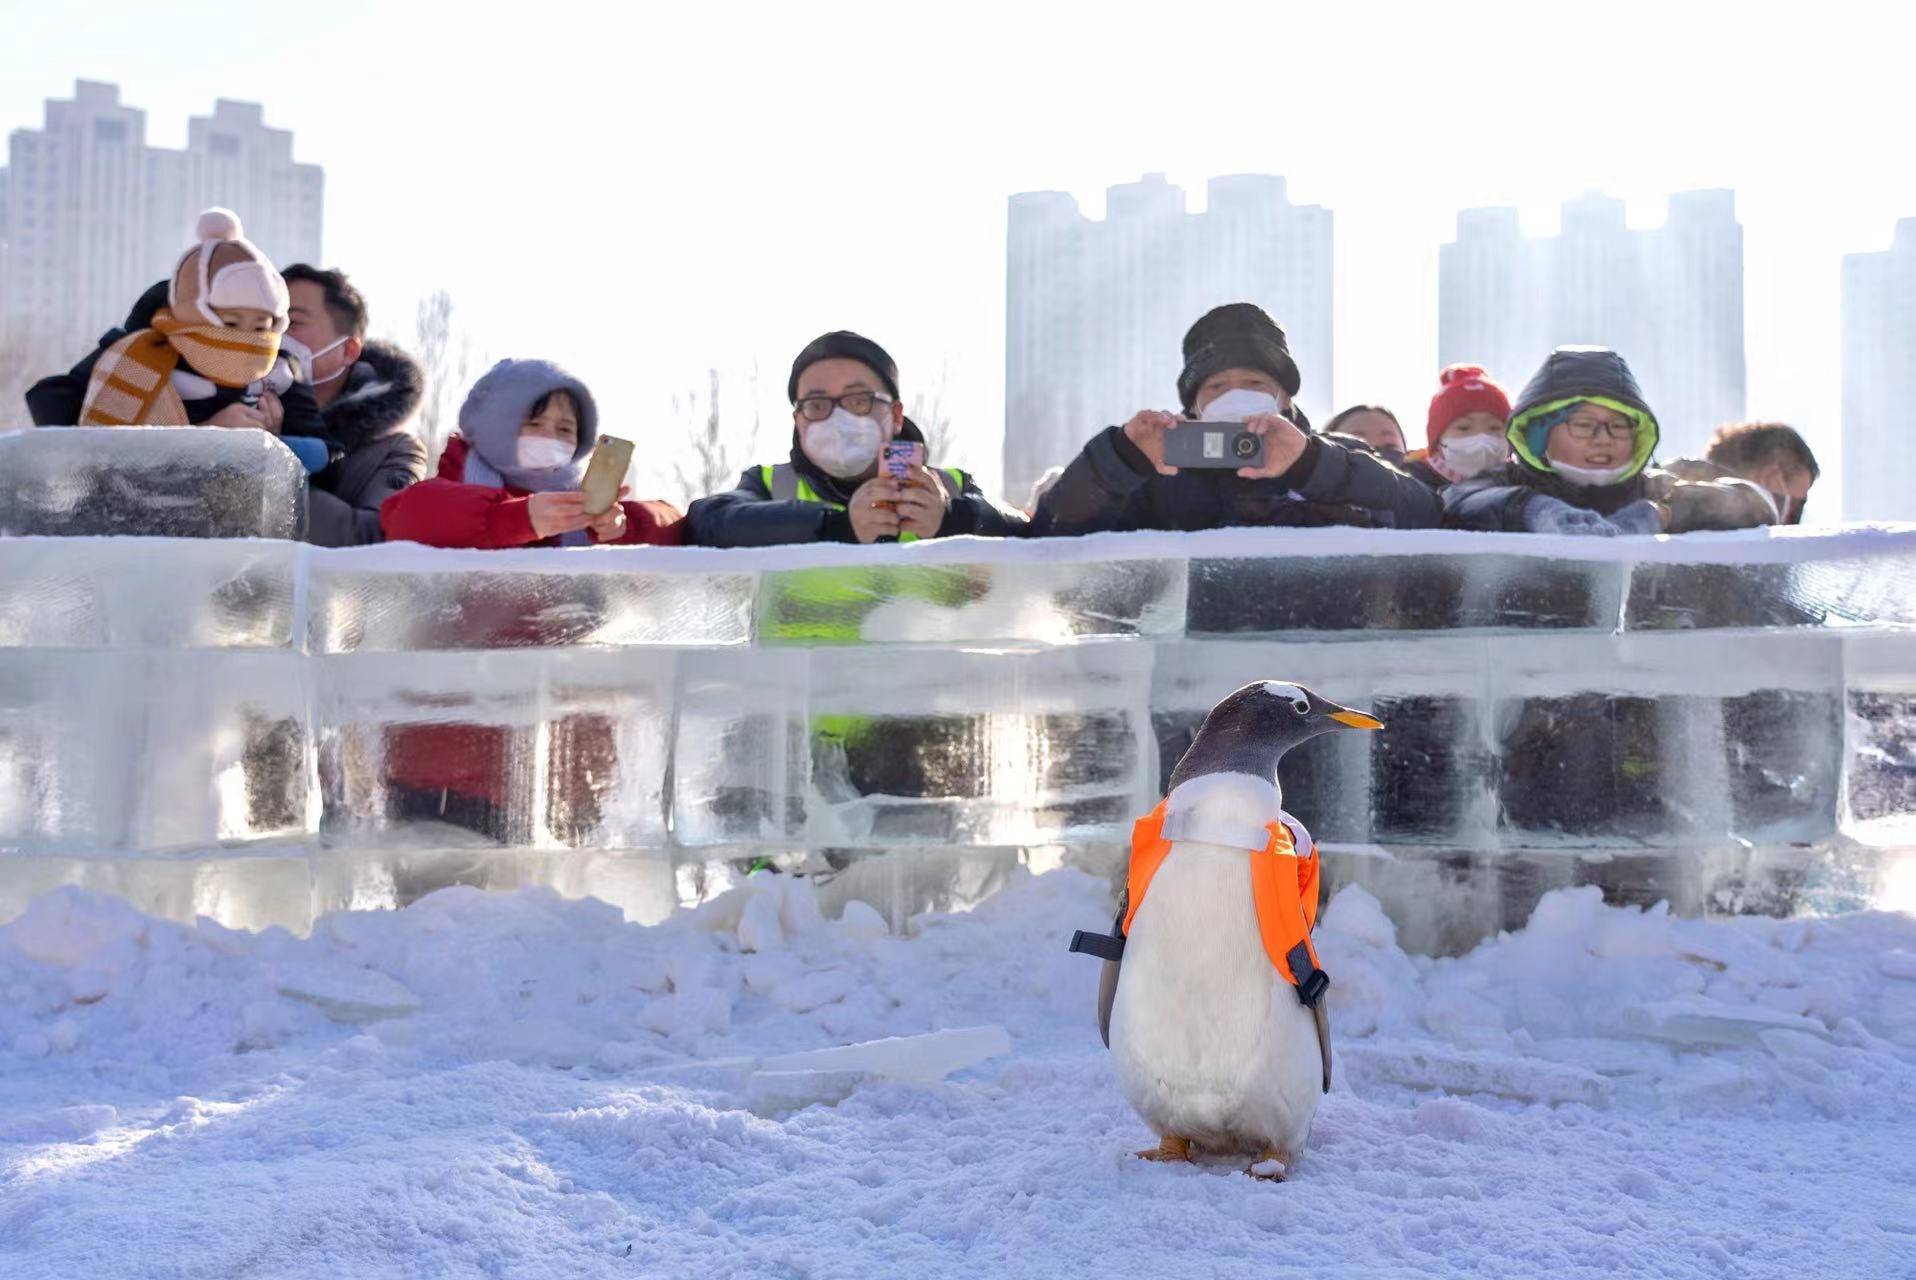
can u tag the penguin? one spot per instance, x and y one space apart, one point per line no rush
1211 1001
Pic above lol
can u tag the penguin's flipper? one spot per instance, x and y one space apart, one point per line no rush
1108 980
1320 1013
1107 995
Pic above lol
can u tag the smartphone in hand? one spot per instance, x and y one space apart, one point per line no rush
605 473
901 456
1216 445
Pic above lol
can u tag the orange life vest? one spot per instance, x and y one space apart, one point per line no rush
1283 888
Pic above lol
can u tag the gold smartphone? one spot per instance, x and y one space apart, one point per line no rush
605 473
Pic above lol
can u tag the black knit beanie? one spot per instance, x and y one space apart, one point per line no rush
843 344
1237 335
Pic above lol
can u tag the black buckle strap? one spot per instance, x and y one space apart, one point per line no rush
1104 946
1312 982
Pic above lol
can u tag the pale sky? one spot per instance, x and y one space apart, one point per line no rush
642 194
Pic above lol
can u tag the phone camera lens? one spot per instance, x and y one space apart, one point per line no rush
1245 445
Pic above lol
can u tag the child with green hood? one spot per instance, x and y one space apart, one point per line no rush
1582 439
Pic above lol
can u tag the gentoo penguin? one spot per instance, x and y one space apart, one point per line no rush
1211 999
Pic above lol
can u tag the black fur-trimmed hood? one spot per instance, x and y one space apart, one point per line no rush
383 391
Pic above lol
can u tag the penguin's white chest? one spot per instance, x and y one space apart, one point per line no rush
1209 1042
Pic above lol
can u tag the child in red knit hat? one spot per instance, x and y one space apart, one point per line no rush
1464 433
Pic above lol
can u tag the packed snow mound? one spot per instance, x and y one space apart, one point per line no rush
490 1083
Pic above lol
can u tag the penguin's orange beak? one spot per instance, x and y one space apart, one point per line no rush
1356 719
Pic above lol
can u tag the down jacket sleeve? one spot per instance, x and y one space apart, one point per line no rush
1488 505
1098 492
446 513
974 513
336 521
748 516
1353 476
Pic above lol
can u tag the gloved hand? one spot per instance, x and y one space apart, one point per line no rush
1544 514
1641 516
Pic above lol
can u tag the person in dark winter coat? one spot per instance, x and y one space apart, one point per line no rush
1237 367
1464 430
203 347
834 486
367 393
510 476
1583 438
1773 456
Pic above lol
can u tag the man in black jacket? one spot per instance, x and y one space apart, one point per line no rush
1582 438
367 394
1238 367
834 486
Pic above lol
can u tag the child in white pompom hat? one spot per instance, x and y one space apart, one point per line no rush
211 354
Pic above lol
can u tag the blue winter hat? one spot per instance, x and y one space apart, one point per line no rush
498 406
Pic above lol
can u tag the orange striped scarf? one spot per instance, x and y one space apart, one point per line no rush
132 381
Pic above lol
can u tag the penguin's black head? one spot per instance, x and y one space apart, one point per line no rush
1250 731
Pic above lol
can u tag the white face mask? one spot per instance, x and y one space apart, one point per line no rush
542 453
1469 455
843 445
309 359
1238 405
1588 479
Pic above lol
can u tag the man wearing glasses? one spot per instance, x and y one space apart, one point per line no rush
1582 439
841 483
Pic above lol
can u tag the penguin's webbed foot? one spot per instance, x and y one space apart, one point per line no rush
1168 1149
1272 1166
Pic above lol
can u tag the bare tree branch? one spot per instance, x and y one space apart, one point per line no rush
445 354
716 458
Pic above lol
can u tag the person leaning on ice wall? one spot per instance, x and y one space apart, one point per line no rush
342 404
1583 439
1237 368
1770 455
1464 430
368 393
509 477
834 487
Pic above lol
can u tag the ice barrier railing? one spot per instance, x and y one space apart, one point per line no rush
210 696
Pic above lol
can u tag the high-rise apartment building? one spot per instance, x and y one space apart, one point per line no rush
1669 298
1879 380
90 215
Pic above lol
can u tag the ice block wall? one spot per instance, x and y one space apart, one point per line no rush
262 729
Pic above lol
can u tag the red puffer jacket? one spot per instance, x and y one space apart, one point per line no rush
446 512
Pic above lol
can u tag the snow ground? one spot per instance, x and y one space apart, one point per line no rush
474 1086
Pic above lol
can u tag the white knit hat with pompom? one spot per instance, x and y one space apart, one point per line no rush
225 270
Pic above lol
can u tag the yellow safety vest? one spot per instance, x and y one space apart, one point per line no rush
828 606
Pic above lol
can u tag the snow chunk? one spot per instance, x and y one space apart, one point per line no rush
1357 915
349 995
861 920
70 927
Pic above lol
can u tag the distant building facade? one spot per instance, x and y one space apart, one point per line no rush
1669 298
1879 380
90 215
1095 310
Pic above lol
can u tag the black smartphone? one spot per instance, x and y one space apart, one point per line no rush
1220 445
